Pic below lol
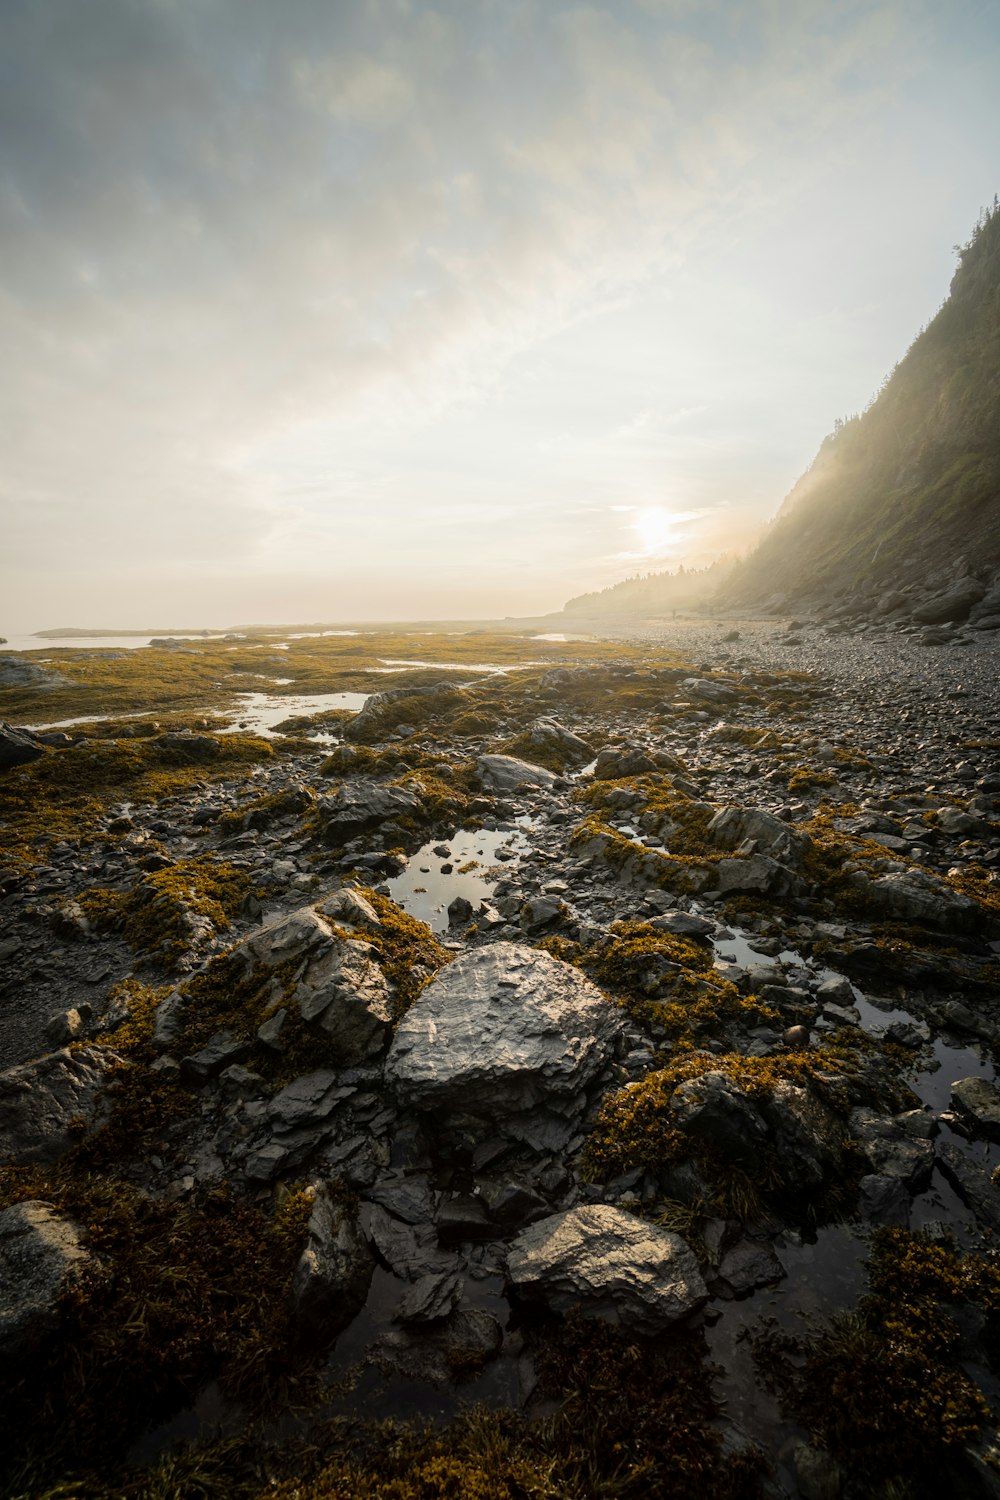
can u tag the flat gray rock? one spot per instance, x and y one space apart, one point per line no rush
608 1264
978 1102
48 1104
502 1031
40 1257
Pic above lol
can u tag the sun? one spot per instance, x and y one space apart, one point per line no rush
655 528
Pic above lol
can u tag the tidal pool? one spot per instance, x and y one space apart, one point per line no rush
260 712
432 880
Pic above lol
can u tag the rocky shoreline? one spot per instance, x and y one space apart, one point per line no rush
735 922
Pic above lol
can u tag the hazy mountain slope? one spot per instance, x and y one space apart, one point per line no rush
909 491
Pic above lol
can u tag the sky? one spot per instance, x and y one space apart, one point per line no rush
377 309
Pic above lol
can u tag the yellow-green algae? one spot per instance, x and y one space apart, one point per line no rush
628 1420
635 1126
154 915
67 793
664 981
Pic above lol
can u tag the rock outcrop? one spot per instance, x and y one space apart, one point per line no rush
607 1264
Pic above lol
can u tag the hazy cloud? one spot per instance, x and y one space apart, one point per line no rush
337 277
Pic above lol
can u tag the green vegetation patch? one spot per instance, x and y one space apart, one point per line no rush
407 950
160 915
884 1387
68 793
182 1293
666 983
636 1126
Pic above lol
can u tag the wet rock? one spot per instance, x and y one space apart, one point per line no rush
883 1200
64 1027
951 606
442 1351
707 690
293 936
333 1275
757 875
916 895
464 1217
510 1202
459 911
185 745
627 761
429 1298
683 924
214 1057
503 1036
816 1474
540 912
381 713
890 1149
351 908
978 1102
549 737
409 1251
41 1256
733 826
410 1199
749 1264
52 1103
17 746
796 1037
307 1102
504 773
713 1109
972 1184
346 995
360 806
607 1264
806 1135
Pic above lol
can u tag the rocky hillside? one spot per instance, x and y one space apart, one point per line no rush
900 512
648 595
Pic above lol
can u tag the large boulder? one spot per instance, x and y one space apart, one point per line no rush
954 604
546 736
714 1110
915 895
383 711
756 875
40 1258
49 1104
506 1037
607 1264
732 827
504 773
978 1101
344 992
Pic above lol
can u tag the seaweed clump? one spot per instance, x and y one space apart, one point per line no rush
888 1388
181 1294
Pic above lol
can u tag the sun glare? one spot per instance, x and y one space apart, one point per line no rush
655 529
